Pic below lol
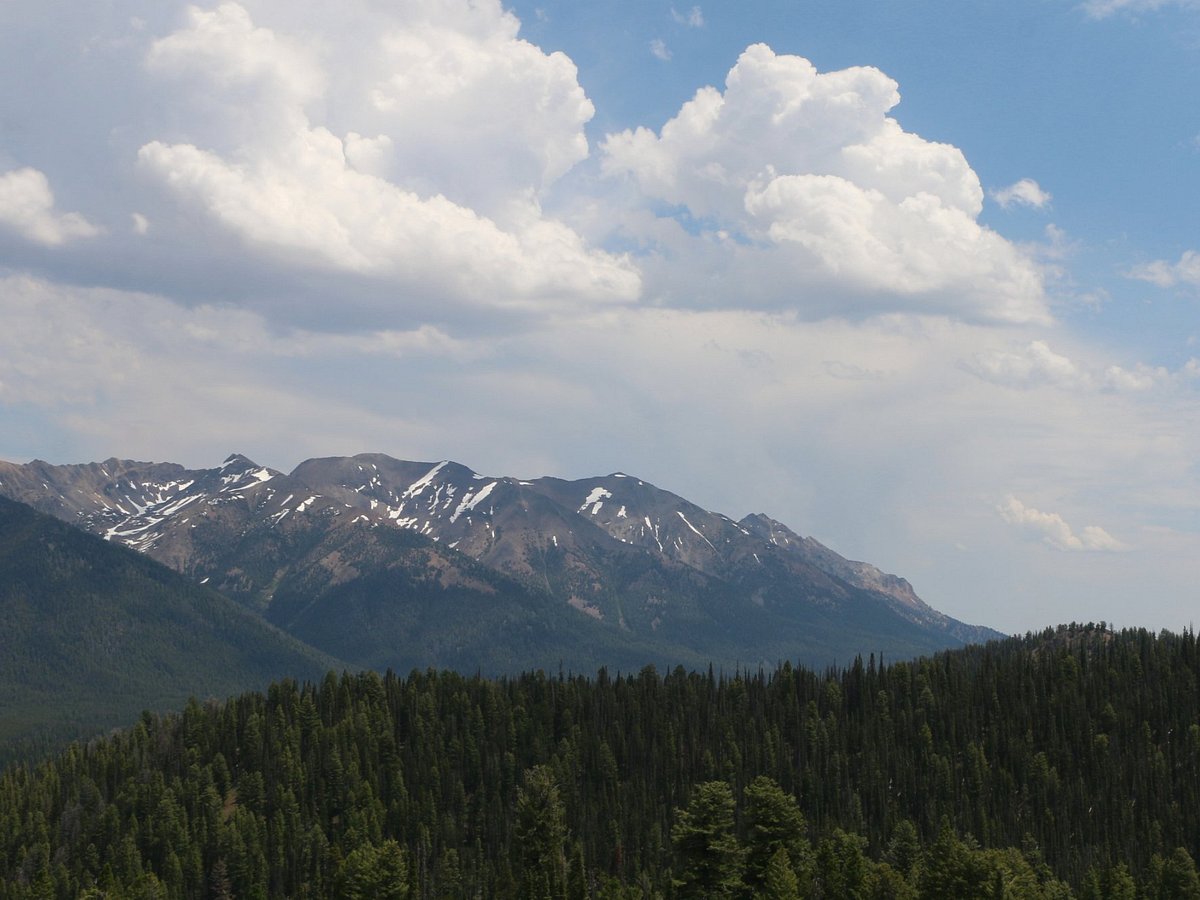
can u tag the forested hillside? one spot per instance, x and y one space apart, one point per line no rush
93 633
1057 765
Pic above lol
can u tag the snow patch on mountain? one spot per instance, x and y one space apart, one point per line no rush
595 499
695 529
420 484
469 502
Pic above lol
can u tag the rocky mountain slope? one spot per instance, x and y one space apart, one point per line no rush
360 555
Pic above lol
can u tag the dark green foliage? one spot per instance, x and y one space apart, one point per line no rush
373 873
842 868
1174 877
710 862
780 882
904 848
540 831
976 773
773 822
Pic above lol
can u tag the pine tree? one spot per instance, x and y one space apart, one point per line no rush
842 867
1119 884
1179 880
220 887
780 882
773 821
577 881
374 872
904 848
540 831
709 857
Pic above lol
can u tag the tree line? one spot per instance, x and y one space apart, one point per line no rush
1061 764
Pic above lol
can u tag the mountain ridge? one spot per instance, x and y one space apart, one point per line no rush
640 560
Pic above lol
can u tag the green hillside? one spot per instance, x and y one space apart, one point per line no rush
95 633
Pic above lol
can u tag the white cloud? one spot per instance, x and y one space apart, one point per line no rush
233 53
27 208
693 18
312 208
1167 274
1054 530
808 170
1025 192
293 188
1036 365
471 109
659 50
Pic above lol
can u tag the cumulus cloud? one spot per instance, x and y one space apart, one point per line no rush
809 168
470 107
1054 530
225 45
375 205
1167 274
1025 192
312 208
27 208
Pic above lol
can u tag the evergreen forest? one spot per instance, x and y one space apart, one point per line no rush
1057 765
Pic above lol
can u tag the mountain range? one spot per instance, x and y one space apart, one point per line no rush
386 563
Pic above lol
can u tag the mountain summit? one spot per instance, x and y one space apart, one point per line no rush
385 562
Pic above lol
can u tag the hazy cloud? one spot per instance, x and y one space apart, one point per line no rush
659 50
693 18
1102 9
1167 274
1036 365
1054 530
865 412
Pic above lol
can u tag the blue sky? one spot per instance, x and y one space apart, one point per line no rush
918 279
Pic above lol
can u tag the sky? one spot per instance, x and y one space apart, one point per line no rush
918 279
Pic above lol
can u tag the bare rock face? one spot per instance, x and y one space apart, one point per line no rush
613 554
